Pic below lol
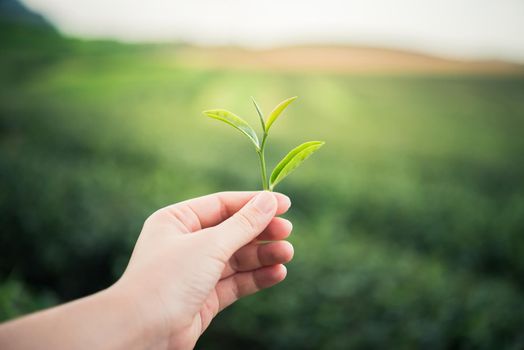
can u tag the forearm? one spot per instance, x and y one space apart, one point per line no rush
105 320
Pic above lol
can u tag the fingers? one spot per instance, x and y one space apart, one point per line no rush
277 230
242 284
245 225
210 210
255 255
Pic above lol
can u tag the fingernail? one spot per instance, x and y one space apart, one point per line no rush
265 202
288 200
290 224
283 199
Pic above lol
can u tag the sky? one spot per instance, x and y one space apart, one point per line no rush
485 29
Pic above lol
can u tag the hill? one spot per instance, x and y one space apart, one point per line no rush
14 11
340 59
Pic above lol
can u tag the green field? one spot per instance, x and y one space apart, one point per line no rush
408 224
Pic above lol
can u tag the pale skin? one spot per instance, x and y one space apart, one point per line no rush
192 260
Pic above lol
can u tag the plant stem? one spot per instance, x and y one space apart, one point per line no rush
265 184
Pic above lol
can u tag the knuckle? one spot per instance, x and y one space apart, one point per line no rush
234 262
236 288
182 218
248 219
154 217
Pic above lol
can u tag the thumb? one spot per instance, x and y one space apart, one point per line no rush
246 224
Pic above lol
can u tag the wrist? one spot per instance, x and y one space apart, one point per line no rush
145 326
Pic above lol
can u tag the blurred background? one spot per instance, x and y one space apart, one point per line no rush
409 223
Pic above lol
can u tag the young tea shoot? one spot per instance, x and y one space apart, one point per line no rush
289 163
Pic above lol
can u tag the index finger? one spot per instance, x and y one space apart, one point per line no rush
212 209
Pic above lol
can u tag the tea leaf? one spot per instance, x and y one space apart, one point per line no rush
260 114
236 122
277 111
292 160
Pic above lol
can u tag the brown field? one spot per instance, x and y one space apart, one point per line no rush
339 59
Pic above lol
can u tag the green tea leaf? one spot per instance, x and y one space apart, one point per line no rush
236 122
277 111
292 160
260 114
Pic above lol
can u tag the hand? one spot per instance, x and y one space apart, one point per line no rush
197 257
191 260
